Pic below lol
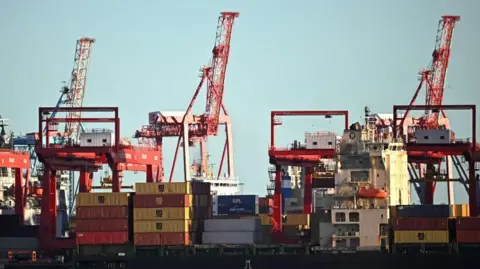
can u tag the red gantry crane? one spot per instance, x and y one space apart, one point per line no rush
83 158
434 78
196 128
303 157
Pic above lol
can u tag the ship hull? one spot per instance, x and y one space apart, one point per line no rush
337 261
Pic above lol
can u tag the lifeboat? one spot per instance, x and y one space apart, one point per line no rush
372 193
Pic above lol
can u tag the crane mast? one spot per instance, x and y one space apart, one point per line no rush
216 74
76 92
436 76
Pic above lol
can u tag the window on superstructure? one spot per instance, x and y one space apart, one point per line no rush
340 217
3 172
354 217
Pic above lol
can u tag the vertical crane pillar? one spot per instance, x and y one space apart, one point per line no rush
85 182
19 195
149 173
307 196
277 198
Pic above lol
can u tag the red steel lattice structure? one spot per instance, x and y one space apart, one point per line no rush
86 160
469 150
307 158
434 78
201 126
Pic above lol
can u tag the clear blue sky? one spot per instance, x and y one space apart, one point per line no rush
284 55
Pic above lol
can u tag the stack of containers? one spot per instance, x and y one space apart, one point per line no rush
170 213
232 231
102 218
421 224
467 230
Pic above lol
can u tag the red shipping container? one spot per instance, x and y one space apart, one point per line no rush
468 224
468 237
162 200
101 225
97 212
163 239
412 224
102 238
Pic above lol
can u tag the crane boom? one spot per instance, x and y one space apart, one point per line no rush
216 75
438 72
76 92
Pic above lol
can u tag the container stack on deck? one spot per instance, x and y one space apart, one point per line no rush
170 214
102 218
425 226
232 231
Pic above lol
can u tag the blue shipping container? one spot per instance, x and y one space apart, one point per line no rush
237 205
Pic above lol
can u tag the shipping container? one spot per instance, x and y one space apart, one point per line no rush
98 238
192 187
240 238
160 200
101 225
102 199
171 213
107 212
405 224
291 219
468 237
423 211
468 224
421 237
321 140
18 243
237 204
462 210
174 226
232 225
163 239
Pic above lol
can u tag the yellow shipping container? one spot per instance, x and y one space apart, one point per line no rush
164 213
103 199
421 237
175 226
291 219
462 210
164 188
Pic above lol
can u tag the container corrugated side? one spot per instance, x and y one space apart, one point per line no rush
163 239
468 237
468 224
160 200
102 199
163 188
240 238
421 237
232 225
423 211
292 219
420 224
101 225
97 212
152 226
98 238
462 210
165 213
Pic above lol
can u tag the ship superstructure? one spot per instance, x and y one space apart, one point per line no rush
352 193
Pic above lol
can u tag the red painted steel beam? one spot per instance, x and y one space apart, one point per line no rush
79 120
14 160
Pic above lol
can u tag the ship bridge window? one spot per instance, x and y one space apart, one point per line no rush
314 143
353 217
340 217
